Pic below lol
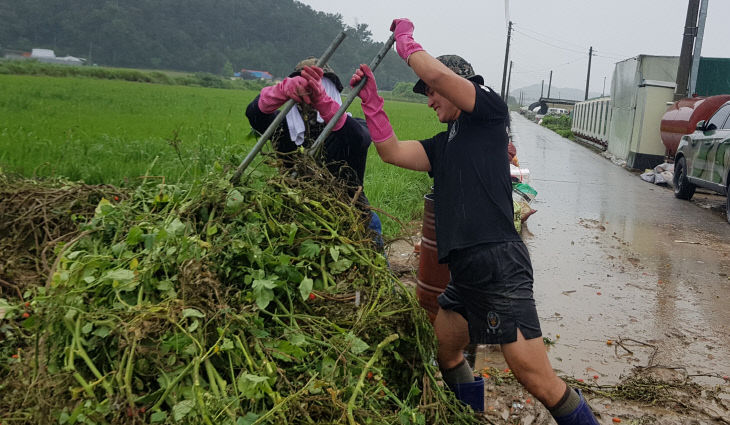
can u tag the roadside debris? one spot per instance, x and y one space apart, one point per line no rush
662 174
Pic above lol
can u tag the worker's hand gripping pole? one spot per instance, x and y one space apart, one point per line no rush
280 117
316 148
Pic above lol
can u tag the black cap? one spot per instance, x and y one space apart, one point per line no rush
456 63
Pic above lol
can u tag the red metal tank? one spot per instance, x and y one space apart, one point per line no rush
682 117
432 277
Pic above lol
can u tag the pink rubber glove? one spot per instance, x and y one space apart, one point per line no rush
272 97
320 100
405 45
372 106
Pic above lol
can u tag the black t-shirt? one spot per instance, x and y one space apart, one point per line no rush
472 186
346 149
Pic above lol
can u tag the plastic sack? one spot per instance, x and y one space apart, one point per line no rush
648 176
520 174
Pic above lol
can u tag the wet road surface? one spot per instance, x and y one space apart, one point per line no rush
621 260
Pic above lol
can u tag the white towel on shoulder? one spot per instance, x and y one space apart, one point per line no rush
294 119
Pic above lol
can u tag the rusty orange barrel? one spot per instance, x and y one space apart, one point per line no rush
432 277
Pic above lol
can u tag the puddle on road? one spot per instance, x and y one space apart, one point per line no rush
612 303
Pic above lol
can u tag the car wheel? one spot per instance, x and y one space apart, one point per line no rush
683 189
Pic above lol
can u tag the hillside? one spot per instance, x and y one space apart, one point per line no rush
187 35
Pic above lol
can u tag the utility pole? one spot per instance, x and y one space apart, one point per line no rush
542 88
698 49
550 84
506 58
588 78
509 80
685 56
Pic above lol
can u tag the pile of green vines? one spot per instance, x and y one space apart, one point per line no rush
266 303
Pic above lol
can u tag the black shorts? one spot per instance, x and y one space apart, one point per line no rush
491 286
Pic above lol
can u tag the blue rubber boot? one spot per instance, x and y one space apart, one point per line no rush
376 227
471 393
582 415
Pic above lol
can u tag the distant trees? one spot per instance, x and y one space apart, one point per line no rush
192 35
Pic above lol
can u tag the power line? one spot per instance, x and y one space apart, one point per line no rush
534 71
577 48
545 42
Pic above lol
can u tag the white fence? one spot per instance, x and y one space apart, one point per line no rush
591 120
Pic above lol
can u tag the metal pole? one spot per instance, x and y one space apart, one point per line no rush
542 89
685 56
698 49
550 84
317 145
509 80
282 114
588 78
506 58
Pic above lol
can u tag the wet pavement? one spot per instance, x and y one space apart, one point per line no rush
625 274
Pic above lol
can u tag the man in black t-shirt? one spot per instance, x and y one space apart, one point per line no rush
489 299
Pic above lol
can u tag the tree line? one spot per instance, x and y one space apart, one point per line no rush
214 36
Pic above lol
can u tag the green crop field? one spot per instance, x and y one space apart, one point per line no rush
107 131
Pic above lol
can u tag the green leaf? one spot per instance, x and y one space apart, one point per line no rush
292 232
88 327
251 386
249 419
259 333
5 308
284 259
122 279
327 368
226 345
309 249
134 236
121 275
103 208
102 332
73 255
191 312
234 200
176 227
297 339
334 253
158 416
357 346
340 266
292 350
263 291
164 285
212 230
181 409
305 288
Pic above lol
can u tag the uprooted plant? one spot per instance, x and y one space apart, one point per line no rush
207 303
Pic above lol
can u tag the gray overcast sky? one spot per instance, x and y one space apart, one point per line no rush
549 34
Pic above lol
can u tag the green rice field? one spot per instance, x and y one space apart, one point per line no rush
116 132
